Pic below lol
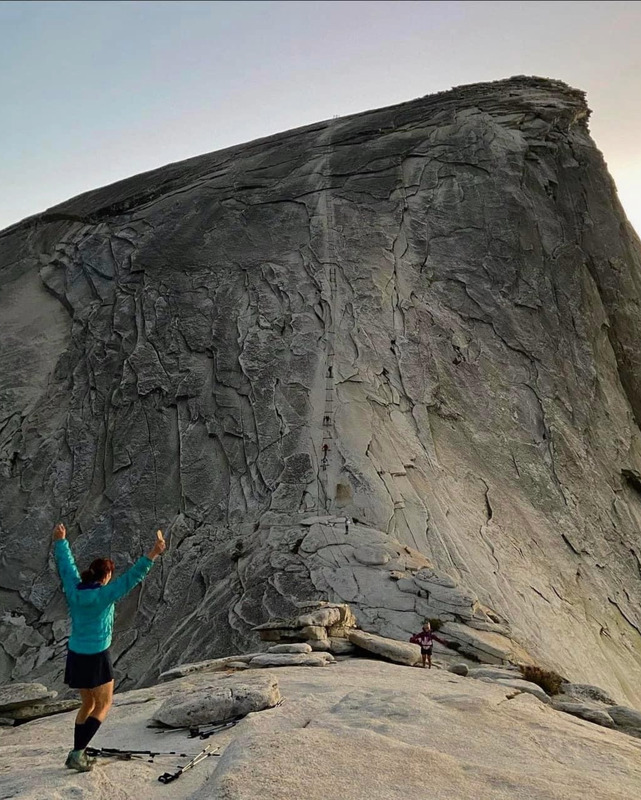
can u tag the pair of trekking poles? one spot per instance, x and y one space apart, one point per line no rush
203 732
166 777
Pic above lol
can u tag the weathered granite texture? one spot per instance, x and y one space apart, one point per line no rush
423 319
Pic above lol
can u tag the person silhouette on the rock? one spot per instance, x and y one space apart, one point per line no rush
91 598
426 640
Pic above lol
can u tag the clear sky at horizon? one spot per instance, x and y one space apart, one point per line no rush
93 92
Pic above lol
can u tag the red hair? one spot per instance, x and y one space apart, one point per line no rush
98 570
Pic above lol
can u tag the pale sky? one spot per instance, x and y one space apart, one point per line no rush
93 92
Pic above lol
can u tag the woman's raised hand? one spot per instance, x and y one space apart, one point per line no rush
59 532
159 546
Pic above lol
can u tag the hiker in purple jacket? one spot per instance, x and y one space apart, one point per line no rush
426 640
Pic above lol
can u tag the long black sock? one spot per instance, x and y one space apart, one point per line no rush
77 735
89 730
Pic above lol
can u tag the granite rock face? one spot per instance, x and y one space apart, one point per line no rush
418 325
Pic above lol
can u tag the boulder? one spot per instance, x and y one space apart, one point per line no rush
339 631
586 692
346 615
626 719
45 709
586 711
16 695
391 649
372 555
322 617
295 647
291 660
233 697
212 665
341 647
239 665
459 669
319 645
313 632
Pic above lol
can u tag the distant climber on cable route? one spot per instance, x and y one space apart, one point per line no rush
426 639
91 598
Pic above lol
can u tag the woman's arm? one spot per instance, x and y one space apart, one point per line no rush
63 556
159 547
117 589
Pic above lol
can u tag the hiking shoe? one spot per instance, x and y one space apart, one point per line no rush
80 761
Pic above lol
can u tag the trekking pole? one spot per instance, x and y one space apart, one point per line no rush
204 731
168 777
207 732
197 730
127 755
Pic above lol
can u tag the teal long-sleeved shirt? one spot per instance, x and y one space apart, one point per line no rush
92 610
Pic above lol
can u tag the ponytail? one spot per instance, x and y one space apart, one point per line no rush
88 576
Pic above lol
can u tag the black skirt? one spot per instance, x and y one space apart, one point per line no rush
88 671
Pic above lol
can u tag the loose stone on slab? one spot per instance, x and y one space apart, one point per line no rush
212 665
295 647
219 703
626 719
391 649
291 660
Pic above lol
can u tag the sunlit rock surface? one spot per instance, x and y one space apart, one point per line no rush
359 730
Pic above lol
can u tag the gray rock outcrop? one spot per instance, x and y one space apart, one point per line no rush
234 697
295 647
210 665
390 649
45 708
587 711
388 360
291 660
582 692
626 719
18 695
